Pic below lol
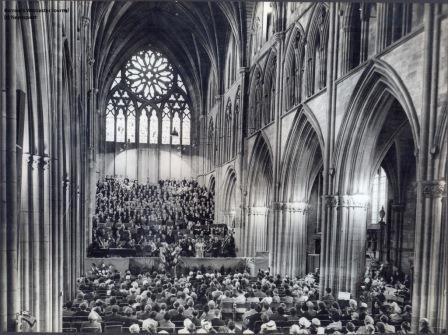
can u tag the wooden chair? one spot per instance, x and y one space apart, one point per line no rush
228 308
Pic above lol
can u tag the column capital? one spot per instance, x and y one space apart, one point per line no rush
277 206
66 182
37 161
258 210
297 207
434 189
31 160
347 200
44 162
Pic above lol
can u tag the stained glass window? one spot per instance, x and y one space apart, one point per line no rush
148 87
166 126
154 128
121 124
176 128
186 129
143 128
130 133
149 74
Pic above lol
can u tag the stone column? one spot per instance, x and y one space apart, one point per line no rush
291 240
256 230
35 238
345 252
330 138
10 226
397 224
45 243
430 259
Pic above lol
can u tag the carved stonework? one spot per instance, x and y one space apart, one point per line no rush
348 200
44 162
434 189
277 206
32 160
37 161
297 207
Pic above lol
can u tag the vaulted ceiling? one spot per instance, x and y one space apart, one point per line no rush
193 35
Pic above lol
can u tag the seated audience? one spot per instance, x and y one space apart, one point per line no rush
159 302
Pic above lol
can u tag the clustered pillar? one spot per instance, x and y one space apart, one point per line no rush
343 257
290 239
41 211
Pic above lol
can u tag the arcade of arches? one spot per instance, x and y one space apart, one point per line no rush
320 127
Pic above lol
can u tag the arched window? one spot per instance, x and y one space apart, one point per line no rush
153 128
317 42
150 87
231 62
235 125
228 130
130 125
121 126
212 90
143 127
110 122
262 25
166 126
186 127
378 195
175 139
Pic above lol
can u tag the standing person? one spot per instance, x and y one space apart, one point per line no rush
200 248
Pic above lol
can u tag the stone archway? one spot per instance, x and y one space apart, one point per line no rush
302 162
259 198
378 107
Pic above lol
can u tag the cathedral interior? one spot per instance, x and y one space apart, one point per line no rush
320 127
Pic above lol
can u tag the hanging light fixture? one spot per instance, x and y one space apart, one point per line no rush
174 132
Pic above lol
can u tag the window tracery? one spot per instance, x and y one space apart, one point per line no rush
146 95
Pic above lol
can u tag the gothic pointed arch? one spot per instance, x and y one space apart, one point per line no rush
294 67
236 131
378 81
230 197
301 166
380 110
255 100
259 199
269 84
